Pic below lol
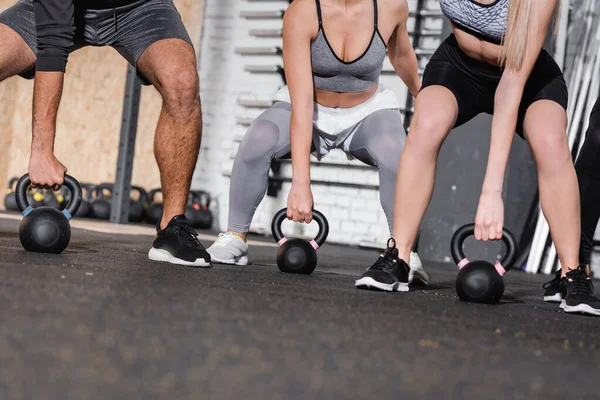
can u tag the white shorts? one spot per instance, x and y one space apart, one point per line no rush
333 125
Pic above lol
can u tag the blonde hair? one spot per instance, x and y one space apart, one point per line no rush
514 44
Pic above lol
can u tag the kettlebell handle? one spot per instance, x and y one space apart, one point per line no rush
317 216
69 182
152 194
459 237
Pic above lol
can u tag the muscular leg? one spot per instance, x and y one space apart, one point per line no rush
268 138
416 171
170 65
16 57
379 141
545 124
588 175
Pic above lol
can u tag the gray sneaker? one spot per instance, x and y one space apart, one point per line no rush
229 249
417 274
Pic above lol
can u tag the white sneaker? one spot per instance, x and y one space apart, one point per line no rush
416 270
229 249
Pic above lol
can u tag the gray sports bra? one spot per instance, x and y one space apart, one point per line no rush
485 21
335 75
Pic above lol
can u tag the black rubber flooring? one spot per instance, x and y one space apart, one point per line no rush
101 321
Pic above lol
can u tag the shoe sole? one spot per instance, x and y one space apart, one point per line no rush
165 256
556 298
580 308
232 261
372 284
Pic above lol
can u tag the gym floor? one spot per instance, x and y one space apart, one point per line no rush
101 321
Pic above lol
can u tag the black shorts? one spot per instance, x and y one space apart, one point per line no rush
474 82
129 29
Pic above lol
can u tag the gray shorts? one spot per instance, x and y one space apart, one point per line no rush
129 29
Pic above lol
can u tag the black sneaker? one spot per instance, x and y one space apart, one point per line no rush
178 244
553 290
389 273
579 291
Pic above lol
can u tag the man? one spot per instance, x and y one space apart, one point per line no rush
36 38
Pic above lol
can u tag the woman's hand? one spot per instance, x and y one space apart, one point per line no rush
490 216
300 203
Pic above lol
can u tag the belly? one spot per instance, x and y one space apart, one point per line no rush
343 100
478 49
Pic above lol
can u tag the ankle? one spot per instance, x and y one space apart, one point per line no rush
241 235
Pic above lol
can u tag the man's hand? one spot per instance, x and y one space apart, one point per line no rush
45 171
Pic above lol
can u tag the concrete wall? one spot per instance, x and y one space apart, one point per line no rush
90 114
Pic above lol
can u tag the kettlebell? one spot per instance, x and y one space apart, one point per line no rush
100 205
46 229
190 212
52 200
84 208
481 281
136 207
298 256
201 203
10 202
155 209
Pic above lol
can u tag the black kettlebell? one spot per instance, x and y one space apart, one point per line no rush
46 229
481 281
190 212
136 206
52 200
84 208
201 203
100 205
298 256
10 202
155 209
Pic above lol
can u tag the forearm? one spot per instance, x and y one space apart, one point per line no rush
47 94
504 122
301 141
407 68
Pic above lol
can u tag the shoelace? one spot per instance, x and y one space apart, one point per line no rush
553 281
188 236
580 283
386 260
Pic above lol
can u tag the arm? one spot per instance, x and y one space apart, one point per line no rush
509 93
55 31
402 55
297 35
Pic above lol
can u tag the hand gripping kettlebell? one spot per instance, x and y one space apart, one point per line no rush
46 229
481 281
298 256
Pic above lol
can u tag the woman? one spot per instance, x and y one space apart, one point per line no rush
333 56
494 63
588 175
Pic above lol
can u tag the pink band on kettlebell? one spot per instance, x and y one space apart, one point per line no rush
282 241
500 269
314 244
462 263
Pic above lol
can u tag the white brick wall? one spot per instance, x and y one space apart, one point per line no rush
355 215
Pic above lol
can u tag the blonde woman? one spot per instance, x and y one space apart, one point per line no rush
493 63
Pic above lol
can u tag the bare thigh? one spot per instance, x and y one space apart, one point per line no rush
16 57
436 111
545 125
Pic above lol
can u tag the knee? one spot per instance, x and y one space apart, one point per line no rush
426 136
259 143
180 89
551 150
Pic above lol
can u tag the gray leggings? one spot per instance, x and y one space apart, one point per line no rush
377 140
